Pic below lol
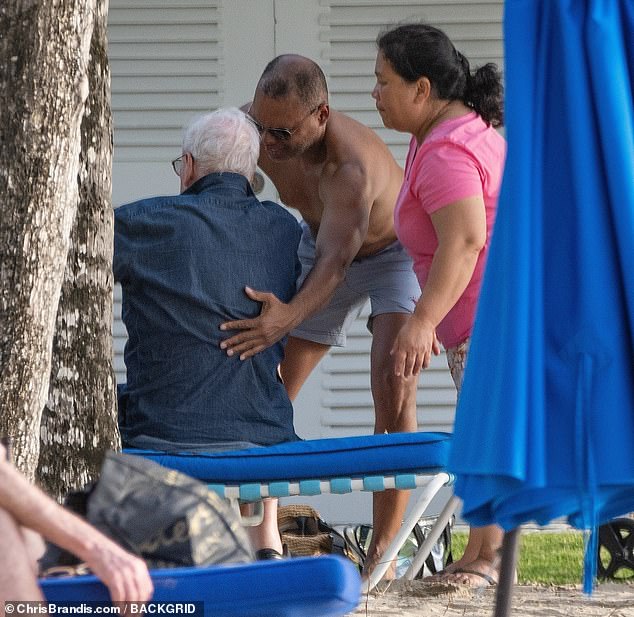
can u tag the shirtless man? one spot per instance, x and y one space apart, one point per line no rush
344 181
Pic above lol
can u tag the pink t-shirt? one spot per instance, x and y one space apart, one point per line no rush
460 158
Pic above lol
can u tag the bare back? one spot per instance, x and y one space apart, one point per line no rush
301 181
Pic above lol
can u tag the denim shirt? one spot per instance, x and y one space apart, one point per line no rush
183 262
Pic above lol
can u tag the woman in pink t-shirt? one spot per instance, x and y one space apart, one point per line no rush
445 210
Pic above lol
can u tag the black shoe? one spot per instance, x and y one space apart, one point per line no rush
267 554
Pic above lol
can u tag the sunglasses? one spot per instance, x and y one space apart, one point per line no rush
281 134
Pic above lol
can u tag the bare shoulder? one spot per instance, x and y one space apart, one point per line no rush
349 141
353 149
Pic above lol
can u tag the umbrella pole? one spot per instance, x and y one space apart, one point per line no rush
504 592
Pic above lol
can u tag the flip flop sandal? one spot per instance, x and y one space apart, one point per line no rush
490 581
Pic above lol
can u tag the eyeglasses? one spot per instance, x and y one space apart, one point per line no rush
177 165
281 134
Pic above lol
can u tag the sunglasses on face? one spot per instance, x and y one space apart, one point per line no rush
280 134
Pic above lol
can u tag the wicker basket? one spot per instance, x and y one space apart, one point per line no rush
302 531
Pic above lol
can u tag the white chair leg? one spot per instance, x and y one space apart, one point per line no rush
434 485
432 537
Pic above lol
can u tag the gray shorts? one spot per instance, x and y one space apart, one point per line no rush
386 278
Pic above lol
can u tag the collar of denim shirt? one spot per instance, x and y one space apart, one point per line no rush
225 179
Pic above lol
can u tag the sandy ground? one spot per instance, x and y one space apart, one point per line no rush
419 599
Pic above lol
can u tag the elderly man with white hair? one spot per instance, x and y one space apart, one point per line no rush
183 262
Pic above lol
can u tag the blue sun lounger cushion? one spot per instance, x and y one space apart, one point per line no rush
351 457
326 586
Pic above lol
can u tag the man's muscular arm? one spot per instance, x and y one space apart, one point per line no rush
347 200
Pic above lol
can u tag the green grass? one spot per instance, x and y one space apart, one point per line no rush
544 558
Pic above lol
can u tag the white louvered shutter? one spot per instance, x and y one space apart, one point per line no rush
350 28
166 68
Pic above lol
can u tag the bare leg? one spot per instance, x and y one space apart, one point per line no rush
395 412
35 547
476 567
266 534
479 565
300 358
17 578
471 553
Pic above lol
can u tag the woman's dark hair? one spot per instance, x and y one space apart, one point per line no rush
419 50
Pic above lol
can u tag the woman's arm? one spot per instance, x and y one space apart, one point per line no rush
461 231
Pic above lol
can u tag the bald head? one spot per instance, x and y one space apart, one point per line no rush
289 75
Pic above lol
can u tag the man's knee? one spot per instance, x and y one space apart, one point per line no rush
394 400
385 378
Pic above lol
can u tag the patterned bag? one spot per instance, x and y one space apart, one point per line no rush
164 516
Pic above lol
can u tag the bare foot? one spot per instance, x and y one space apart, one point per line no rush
371 564
478 573
440 577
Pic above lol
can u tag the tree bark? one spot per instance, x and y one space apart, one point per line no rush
79 421
43 87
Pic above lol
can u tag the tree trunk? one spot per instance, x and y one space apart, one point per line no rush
79 421
43 87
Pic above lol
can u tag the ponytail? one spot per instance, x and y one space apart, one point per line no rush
419 50
483 91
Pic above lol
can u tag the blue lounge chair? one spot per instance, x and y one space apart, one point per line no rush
339 465
305 587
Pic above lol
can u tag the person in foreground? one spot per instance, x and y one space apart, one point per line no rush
344 182
183 262
445 210
27 515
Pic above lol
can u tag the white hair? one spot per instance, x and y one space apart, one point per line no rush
224 140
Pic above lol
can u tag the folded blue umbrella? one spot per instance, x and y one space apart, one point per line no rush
545 421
